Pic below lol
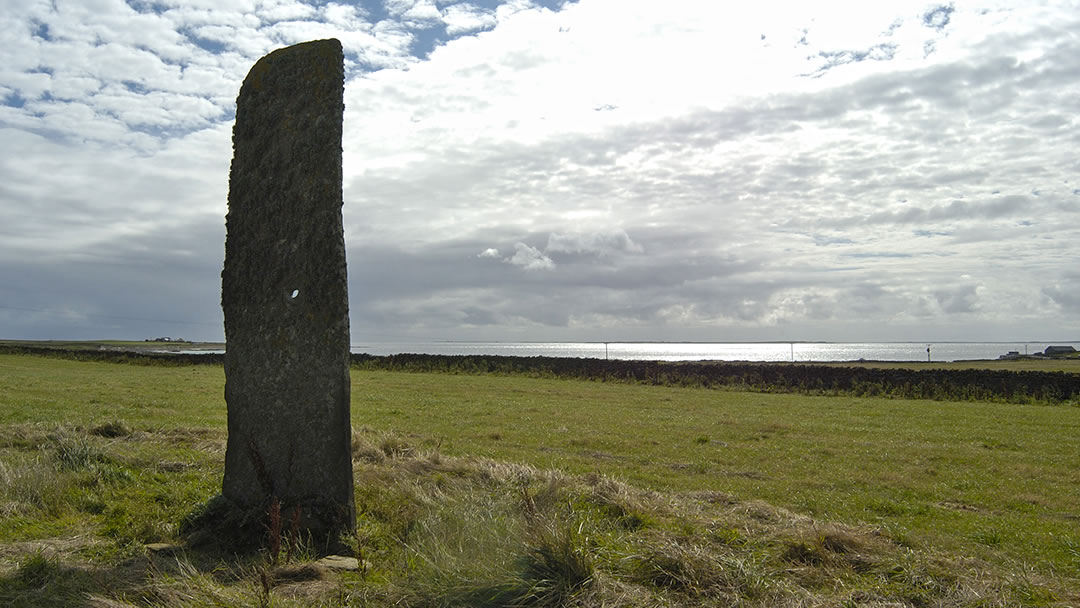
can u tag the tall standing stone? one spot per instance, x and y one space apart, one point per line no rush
285 295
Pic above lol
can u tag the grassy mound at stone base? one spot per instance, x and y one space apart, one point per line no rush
441 531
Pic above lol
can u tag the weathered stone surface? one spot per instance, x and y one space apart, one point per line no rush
285 295
339 562
164 548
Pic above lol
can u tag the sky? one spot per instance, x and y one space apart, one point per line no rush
551 170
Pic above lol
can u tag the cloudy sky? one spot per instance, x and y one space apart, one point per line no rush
555 170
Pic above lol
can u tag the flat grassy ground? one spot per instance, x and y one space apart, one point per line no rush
972 504
952 474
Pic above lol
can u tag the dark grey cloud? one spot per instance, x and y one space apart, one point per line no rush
1065 292
137 288
957 299
637 286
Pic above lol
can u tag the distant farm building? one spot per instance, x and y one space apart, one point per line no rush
1058 351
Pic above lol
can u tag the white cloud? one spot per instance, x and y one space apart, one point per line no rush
466 18
530 258
490 252
73 87
397 7
422 14
246 41
284 10
348 17
596 243
29 85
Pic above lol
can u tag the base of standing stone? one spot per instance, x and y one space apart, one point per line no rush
224 524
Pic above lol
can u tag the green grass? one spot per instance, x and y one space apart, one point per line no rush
488 490
932 471
58 391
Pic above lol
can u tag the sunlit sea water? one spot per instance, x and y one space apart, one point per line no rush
673 351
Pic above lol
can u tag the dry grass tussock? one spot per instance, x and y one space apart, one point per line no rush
479 532
436 531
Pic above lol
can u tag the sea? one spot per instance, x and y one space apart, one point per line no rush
734 351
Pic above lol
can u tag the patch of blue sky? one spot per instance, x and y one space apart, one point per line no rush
885 51
212 46
375 10
135 87
14 100
548 4
146 6
41 30
164 132
429 38
938 17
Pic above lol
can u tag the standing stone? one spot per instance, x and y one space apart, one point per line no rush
285 296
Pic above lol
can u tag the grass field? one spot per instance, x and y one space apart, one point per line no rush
501 490
125 345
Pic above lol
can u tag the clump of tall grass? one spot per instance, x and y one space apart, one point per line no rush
697 570
36 570
556 568
112 429
73 452
628 508
375 447
485 550
43 483
181 583
32 485
480 533
41 579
